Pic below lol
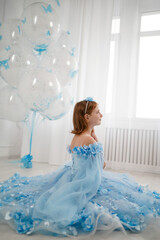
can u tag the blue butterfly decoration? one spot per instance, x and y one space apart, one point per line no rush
47 9
58 2
8 48
19 29
73 73
72 52
4 63
40 48
48 33
23 20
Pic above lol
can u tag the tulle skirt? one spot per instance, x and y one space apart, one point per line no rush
119 204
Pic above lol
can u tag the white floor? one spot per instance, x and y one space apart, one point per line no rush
9 167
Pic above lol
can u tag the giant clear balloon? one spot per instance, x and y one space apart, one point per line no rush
40 23
56 4
10 33
38 89
65 41
61 63
11 106
4 57
4 53
17 62
62 106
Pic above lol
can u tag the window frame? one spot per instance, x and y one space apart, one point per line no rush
144 34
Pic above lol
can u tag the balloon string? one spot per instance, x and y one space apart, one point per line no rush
27 159
32 128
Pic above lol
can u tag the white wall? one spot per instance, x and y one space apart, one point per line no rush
10 132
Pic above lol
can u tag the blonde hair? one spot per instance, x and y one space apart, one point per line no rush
79 122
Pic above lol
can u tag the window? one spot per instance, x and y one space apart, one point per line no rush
115 30
148 87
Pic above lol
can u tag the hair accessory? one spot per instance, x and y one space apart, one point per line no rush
88 99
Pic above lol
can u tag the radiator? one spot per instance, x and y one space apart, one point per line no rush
135 149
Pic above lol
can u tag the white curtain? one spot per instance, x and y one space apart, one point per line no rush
89 23
123 62
132 137
122 88
106 34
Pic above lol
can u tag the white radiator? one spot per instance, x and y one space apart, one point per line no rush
134 149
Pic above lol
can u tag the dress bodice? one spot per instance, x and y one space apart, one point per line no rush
87 157
87 163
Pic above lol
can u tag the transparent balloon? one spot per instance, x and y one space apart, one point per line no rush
4 53
40 23
10 33
11 106
38 89
19 60
4 57
62 106
56 4
62 63
65 41
31 49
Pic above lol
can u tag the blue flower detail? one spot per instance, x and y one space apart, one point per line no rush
69 149
24 223
85 150
26 160
89 99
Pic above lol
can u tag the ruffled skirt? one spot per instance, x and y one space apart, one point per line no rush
119 204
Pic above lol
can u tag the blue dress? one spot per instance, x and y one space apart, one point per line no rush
79 198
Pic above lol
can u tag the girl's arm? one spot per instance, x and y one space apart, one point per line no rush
104 165
96 139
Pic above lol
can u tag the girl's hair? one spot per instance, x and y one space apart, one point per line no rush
79 122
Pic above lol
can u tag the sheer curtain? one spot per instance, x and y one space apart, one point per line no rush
117 48
107 36
132 127
89 23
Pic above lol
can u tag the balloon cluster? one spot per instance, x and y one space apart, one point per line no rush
37 63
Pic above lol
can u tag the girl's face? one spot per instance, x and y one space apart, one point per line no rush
95 117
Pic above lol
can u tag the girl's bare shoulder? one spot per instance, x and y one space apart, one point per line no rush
81 140
87 140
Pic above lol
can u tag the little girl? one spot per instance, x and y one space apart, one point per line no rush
79 198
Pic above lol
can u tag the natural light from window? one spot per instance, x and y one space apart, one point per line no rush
150 22
148 89
110 77
115 30
115 26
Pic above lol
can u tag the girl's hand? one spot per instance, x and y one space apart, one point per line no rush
104 165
